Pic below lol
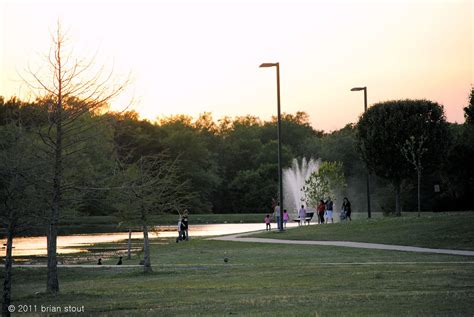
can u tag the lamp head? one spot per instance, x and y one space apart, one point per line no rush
358 88
268 64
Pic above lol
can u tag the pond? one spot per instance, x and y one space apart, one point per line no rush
25 246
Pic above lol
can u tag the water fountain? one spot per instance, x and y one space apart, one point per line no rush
293 181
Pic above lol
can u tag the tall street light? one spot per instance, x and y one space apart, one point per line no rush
365 109
280 179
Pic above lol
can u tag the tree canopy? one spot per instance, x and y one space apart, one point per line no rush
384 129
231 163
469 109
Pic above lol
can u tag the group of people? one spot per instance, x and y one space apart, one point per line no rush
326 209
276 216
183 227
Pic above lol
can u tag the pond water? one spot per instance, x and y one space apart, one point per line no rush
77 243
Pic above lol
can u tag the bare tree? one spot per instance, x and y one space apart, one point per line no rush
72 88
413 150
151 186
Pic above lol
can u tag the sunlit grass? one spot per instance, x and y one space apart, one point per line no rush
191 278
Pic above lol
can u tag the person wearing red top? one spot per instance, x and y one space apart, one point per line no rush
321 209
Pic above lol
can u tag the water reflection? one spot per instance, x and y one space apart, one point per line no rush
78 243
213 229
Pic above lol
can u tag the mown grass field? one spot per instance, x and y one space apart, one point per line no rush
191 278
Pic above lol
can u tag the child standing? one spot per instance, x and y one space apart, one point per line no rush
285 218
302 215
268 225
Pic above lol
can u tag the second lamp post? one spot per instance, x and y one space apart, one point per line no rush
368 175
280 178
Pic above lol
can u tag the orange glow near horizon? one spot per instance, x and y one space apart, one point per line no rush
190 57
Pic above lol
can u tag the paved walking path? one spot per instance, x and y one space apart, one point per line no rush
360 245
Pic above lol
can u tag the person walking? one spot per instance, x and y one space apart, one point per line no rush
321 208
268 224
185 225
179 230
276 215
329 210
346 208
182 228
285 218
302 215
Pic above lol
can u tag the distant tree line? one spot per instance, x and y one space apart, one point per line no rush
231 164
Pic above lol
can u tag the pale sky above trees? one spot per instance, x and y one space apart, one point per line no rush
196 56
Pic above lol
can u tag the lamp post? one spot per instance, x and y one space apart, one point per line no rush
280 178
365 109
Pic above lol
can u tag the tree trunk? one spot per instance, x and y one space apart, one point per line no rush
52 280
419 191
146 250
7 282
52 285
397 200
129 247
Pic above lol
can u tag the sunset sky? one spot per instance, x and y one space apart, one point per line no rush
188 57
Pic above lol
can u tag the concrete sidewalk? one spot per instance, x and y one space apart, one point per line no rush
360 245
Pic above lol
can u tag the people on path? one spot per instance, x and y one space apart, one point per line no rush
346 208
276 215
99 262
185 226
179 230
329 210
119 261
321 208
268 224
286 217
302 215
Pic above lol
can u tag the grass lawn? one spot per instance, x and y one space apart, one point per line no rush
434 230
191 278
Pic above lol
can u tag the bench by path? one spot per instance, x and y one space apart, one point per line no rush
307 219
360 245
